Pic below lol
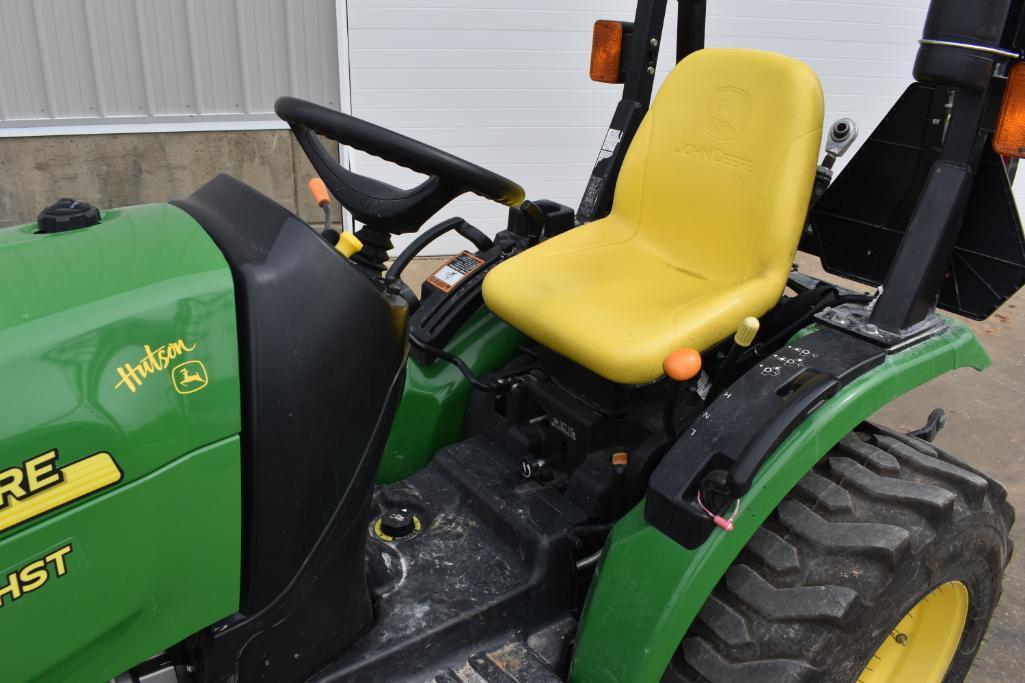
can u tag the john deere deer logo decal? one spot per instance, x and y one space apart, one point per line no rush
132 375
727 113
189 377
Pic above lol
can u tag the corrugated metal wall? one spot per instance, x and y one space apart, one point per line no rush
135 61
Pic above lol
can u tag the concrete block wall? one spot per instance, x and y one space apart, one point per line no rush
124 169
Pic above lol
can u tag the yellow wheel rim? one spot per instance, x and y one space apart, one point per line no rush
922 645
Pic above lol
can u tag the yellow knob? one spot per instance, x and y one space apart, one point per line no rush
747 331
349 244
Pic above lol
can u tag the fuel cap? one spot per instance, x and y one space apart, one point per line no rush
397 524
67 214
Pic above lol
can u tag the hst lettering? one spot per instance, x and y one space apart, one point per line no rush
156 360
34 575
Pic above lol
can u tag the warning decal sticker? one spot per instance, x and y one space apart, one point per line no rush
455 270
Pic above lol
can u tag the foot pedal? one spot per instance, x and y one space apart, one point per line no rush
538 659
936 421
512 663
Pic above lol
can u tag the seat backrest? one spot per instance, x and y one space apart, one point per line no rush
718 177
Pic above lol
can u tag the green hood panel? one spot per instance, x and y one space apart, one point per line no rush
118 338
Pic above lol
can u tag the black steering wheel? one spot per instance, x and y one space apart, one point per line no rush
379 205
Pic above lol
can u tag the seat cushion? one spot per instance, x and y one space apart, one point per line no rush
616 307
709 207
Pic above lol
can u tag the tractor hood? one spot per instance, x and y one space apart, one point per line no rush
118 338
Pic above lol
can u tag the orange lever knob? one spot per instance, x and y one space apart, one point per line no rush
319 191
682 364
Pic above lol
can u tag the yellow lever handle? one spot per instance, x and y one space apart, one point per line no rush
746 332
348 244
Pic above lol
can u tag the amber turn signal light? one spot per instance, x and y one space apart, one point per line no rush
1009 138
606 51
319 191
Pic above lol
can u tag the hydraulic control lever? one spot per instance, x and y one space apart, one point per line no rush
745 336
345 243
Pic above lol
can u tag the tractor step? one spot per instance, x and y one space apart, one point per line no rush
530 661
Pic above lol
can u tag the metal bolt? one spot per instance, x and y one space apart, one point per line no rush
654 42
651 71
901 638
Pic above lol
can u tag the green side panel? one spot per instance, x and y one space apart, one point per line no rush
77 306
150 562
430 415
648 589
154 527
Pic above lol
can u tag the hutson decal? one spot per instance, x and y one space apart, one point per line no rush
40 485
132 375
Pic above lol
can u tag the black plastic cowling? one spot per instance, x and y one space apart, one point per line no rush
322 361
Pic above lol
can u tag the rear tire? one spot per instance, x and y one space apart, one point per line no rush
882 520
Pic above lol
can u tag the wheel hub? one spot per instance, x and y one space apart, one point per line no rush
922 644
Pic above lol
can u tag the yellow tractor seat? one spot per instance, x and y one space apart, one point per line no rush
709 207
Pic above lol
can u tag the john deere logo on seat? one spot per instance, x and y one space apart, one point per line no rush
727 113
189 377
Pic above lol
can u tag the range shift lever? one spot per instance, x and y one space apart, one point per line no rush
681 366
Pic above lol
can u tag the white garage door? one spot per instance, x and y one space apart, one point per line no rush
505 83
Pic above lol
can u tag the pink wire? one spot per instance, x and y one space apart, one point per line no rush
715 517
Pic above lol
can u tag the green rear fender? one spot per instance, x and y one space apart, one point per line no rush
648 589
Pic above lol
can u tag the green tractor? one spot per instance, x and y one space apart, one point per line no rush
622 443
